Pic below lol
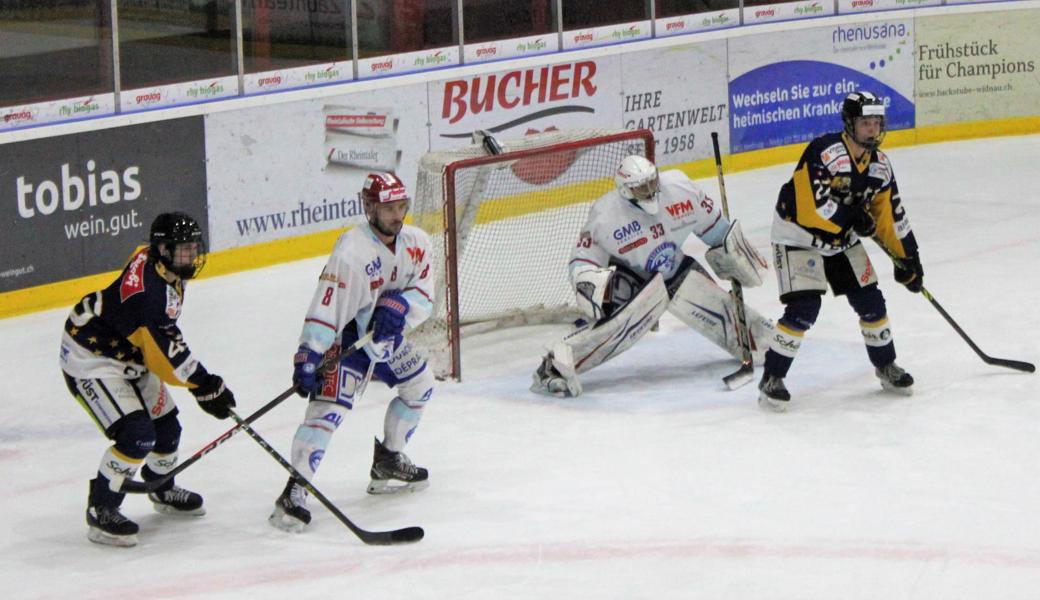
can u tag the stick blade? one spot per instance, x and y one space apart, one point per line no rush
408 535
740 377
1018 365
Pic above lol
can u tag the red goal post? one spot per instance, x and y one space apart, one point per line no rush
503 227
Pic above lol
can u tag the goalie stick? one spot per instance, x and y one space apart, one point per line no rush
406 535
130 486
746 372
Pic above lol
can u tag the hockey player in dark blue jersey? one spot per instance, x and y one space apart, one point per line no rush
120 347
842 190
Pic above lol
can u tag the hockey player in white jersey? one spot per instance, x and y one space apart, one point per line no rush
378 279
628 268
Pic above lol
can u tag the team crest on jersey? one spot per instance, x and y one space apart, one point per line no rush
662 259
133 281
173 303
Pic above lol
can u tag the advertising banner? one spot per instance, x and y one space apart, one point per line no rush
786 11
579 94
77 205
172 94
607 34
290 169
532 45
682 105
678 25
297 77
787 87
56 111
977 66
857 6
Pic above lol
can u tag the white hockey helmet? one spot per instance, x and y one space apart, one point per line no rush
637 182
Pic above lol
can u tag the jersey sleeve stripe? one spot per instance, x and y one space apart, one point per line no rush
320 322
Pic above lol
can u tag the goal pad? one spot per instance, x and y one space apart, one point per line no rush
503 227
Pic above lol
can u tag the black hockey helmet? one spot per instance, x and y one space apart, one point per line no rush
170 242
863 104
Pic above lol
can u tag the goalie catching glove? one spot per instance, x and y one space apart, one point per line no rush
736 259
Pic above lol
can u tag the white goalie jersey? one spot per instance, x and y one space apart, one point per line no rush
618 232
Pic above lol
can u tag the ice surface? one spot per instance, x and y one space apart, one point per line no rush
657 483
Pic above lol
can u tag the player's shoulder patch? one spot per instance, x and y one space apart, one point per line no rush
881 169
173 302
835 157
133 279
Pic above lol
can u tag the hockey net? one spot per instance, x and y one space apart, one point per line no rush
503 227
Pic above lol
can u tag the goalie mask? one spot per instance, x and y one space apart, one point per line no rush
863 105
176 242
637 182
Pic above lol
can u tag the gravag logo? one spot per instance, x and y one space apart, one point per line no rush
662 259
626 231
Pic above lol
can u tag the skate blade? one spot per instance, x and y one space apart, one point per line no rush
280 519
383 486
778 406
100 537
902 391
166 509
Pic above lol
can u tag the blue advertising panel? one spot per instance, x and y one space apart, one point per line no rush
787 87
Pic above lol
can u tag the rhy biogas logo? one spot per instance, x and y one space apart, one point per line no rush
519 96
75 189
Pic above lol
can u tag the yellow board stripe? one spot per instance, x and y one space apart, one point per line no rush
264 254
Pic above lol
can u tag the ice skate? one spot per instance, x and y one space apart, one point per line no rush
547 380
895 379
177 501
393 472
556 375
106 525
773 393
290 509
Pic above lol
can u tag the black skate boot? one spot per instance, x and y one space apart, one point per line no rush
393 472
290 509
106 525
772 393
895 379
170 499
177 501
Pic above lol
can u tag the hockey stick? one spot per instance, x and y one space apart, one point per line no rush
746 372
1017 365
376 538
147 487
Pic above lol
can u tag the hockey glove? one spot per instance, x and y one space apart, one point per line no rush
388 319
214 397
305 371
909 272
863 224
